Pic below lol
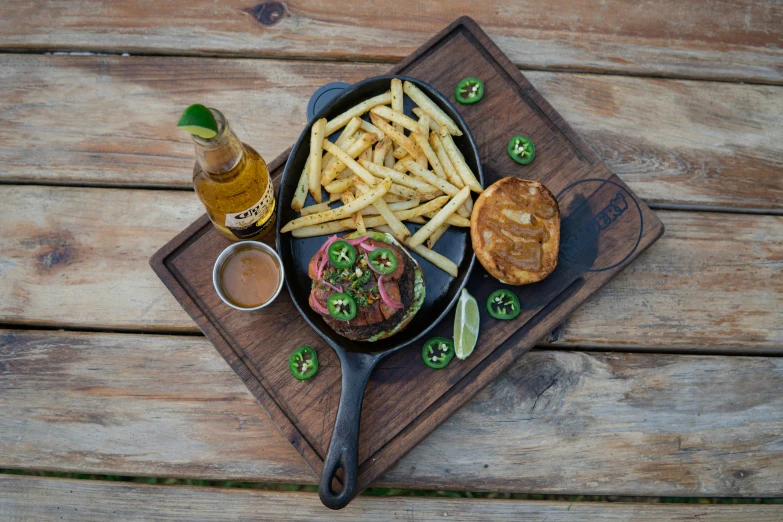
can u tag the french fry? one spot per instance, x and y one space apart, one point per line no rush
399 205
437 235
434 125
390 160
368 198
448 166
381 150
398 137
328 161
301 188
368 127
402 191
350 162
442 262
358 220
430 178
400 230
418 220
347 134
356 110
428 106
402 215
424 124
357 148
397 99
440 218
467 209
320 230
394 198
314 174
399 152
400 166
424 144
339 186
396 117
454 220
334 197
396 177
422 161
459 162
366 155
312 209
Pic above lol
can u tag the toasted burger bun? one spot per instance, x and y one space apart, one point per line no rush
515 229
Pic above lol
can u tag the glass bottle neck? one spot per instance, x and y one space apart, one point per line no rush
222 154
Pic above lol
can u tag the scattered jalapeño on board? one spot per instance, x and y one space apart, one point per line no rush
230 178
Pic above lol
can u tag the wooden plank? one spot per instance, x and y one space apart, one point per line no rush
730 39
36 498
557 422
674 142
685 293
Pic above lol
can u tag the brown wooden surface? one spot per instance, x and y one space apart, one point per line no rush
682 294
28 498
709 285
395 416
556 422
729 39
684 143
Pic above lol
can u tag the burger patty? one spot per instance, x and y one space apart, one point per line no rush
360 332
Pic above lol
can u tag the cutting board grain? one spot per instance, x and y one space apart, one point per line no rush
605 226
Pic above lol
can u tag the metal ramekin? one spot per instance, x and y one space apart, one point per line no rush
223 257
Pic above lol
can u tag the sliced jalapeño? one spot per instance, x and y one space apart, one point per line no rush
503 304
341 306
437 352
303 362
521 150
342 254
469 91
383 260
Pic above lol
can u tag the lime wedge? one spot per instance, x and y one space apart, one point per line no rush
466 325
199 121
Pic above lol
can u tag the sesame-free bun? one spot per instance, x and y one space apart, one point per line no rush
515 230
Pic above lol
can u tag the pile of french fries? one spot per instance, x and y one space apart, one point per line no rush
383 176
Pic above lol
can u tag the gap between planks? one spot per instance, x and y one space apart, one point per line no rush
391 61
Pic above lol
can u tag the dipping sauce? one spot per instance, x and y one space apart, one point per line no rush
249 277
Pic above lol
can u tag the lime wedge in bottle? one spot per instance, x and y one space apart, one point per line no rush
199 121
466 325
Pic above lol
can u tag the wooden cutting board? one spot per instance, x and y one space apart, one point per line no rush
604 227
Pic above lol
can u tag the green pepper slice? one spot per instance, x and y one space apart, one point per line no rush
437 352
303 362
503 304
341 306
342 254
521 150
383 260
469 91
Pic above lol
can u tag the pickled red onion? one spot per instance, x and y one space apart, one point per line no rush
318 306
385 297
324 257
354 242
333 287
368 247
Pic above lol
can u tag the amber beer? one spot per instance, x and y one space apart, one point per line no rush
232 181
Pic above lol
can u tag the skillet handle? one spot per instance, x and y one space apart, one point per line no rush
343 450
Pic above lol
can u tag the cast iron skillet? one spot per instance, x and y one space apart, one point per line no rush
359 358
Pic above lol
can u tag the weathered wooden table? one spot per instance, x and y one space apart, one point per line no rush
666 383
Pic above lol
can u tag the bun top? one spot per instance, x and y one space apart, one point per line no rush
515 229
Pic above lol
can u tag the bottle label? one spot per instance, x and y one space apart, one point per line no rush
247 223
